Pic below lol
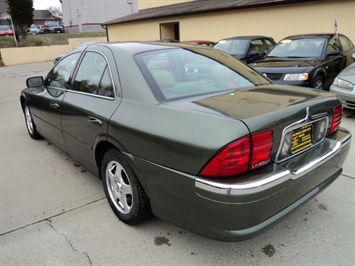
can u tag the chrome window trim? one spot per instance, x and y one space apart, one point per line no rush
110 71
91 95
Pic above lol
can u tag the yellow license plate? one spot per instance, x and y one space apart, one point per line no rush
302 138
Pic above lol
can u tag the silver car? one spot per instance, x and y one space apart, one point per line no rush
344 86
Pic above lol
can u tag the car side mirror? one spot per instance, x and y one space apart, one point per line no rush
34 82
333 53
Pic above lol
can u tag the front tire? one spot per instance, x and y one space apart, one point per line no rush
30 125
318 83
122 188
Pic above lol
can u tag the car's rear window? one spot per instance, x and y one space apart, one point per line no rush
179 73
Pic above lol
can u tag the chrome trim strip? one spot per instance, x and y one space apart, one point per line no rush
272 179
311 165
242 189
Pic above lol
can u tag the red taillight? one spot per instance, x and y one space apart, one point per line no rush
240 156
262 146
336 119
232 160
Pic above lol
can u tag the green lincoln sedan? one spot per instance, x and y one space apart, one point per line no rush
189 134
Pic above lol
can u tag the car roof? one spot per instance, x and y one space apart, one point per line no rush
311 35
139 47
249 37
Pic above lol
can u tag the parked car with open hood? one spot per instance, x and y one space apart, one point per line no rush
246 48
222 151
310 60
344 86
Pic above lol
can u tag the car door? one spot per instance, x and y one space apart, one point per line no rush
347 48
87 107
334 60
47 108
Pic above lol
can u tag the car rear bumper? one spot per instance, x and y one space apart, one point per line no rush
282 172
236 209
265 201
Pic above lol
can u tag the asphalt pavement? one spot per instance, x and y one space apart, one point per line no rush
53 212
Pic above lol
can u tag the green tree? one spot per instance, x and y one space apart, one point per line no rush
21 12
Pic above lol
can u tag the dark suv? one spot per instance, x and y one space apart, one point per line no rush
53 27
309 60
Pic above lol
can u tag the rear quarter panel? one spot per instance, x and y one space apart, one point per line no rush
171 137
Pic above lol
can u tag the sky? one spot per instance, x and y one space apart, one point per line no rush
44 4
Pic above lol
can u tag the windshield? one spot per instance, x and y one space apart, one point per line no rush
299 48
179 73
4 27
234 47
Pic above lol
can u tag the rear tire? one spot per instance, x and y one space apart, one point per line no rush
30 125
122 188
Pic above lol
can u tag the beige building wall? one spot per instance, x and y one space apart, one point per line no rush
143 4
276 21
26 55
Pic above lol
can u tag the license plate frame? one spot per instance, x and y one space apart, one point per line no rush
301 139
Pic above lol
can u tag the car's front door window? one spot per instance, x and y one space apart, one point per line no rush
334 45
269 44
256 46
60 74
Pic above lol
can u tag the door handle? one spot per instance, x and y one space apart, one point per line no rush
54 105
95 121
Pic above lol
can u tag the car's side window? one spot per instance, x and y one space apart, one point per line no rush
344 43
256 46
93 76
334 44
60 74
105 86
269 44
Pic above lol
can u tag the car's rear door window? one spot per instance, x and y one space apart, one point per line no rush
93 75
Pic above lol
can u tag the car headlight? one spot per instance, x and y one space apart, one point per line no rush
343 84
291 77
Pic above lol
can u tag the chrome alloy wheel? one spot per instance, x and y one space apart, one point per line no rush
119 187
29 121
